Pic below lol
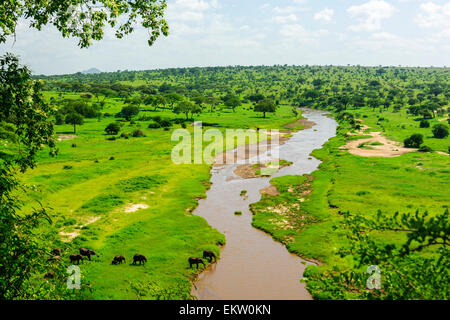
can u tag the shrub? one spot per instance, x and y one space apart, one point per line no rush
425 148
414 141
440 131
112 128
424 123
154 125
59 118
165 123
138 133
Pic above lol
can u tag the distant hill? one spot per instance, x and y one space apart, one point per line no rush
91 71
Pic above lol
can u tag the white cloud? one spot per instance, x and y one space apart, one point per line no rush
285 18
434 16
292 31
189 10
383 36
325 15
370 14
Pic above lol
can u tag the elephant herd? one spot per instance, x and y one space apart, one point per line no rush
137 258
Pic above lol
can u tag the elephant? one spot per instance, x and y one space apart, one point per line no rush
76 258
139 258
87 253
209 255
118 260
195 261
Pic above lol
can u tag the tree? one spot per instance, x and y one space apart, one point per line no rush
440 131
27 121
81 19
212 101
129 112
232 101
266 105
405 274
112 128
414 141
187 108
74 119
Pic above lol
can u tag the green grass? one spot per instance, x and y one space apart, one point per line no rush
349 183
401 125
91 199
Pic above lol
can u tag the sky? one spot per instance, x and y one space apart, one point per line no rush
257 32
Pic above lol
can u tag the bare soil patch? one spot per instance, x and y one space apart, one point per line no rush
376 146
69 236
135 207
301 122
249 171
271 190
64 137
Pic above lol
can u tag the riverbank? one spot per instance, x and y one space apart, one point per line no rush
125 196
312 206
266 269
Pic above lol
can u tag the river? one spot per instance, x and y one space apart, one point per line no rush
252 265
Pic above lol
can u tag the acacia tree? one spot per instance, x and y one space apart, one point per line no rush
25 122
187 108
264 106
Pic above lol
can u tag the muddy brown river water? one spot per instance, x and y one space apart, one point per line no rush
252 265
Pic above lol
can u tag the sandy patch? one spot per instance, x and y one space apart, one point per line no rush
301 122
245 152
443 153
248 171
64 137
386 147
69 236
135 207
271 190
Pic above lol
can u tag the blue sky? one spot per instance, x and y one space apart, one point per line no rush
264 32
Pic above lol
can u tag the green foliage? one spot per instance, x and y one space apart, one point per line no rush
129 112
112 128
264 106
404 273
140 183
74 119
440 131
25 123
80 19
414 141
188 108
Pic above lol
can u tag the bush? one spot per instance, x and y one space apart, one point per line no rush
138 133
165 123
414 141
112 128
154 125
440 131
425 148
59 118
424 123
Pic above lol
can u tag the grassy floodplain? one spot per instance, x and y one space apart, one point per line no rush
355 184
121 195
92 197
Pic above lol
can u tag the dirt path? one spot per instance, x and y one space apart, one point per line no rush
376 146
